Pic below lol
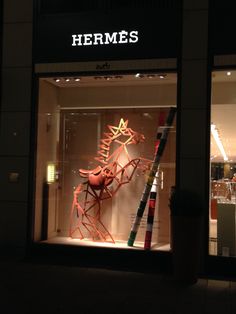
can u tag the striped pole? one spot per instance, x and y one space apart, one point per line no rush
151 213
153 194
151 176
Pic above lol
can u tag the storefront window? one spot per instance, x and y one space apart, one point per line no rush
95 146
222 214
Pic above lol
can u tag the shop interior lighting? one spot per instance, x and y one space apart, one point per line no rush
150 76
228 73
217 139
108 78
139 75
51 168
115 77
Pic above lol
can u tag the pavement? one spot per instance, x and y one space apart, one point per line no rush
31 288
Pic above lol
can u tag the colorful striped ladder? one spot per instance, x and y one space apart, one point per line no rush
152 174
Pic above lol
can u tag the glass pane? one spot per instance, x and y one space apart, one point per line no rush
223 165
94 152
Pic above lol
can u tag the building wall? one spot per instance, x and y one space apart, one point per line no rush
193 105
16 78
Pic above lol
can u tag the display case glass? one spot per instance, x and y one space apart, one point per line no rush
96 142
222 214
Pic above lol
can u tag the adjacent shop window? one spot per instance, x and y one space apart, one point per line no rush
222 214
97 137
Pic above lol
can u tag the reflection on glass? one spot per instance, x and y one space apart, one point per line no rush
222 217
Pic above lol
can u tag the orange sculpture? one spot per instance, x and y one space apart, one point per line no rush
102 183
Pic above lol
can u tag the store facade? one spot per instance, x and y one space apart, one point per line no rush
104 89
98 81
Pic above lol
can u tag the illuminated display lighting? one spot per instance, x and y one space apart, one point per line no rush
51 173
217 139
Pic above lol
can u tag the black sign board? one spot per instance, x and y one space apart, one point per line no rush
157 31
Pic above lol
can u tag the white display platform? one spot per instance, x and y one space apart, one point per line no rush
117 245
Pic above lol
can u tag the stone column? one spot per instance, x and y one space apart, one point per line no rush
16 79
194 103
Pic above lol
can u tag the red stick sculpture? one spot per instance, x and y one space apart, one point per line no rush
103 182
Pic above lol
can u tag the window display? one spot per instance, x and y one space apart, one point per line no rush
116 168
95 147
222 221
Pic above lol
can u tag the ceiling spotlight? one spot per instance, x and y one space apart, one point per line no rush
57 80
150 76
138 75
162 76
108 78
228 73
77 79
67 80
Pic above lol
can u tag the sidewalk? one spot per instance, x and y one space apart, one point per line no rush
38 288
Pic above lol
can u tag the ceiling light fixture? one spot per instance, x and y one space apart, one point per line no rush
67 80
57 80
228 73
139 75
77 79
162 76
217 139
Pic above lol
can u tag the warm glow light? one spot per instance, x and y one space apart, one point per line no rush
215 134
228 73
50 173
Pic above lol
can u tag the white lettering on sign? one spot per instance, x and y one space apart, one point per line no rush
122 37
